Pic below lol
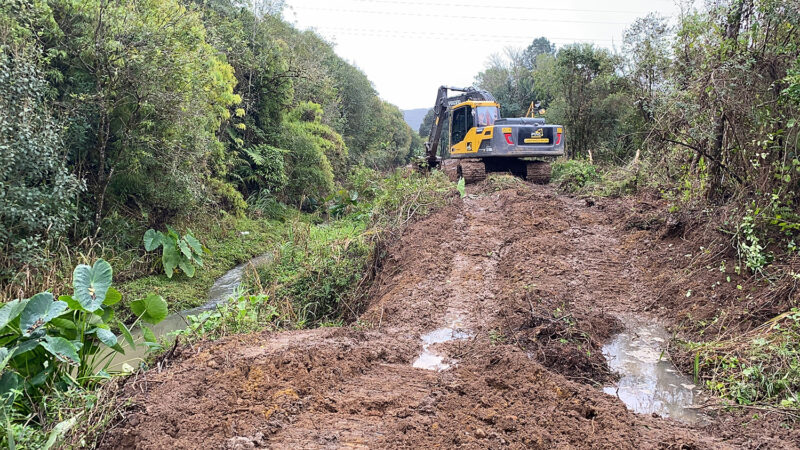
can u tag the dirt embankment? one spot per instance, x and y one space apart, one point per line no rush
531 281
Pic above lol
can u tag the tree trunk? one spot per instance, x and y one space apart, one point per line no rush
714 191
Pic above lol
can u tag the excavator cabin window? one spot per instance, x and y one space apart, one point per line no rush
460 124
486 116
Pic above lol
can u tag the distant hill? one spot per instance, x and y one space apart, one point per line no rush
414 117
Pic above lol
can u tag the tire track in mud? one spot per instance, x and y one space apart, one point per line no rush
477 264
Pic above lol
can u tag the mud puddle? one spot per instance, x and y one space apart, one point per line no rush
224 287
428 359
649 382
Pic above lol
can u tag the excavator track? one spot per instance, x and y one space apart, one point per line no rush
538 172
450 168
473 170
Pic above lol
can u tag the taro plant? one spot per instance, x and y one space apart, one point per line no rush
54 344
178 252
340 201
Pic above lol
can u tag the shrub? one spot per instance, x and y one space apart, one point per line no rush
574 174
266 169
179 252
50 344
308 170
37 193
228 197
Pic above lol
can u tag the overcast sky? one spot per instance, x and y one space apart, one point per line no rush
408 48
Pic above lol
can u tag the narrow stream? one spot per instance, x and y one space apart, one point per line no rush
649 382
223 288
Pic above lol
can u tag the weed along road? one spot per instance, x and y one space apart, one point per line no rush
484 328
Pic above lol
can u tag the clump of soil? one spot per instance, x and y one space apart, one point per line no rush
570 343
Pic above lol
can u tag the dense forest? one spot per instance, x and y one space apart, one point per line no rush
167 141
122 115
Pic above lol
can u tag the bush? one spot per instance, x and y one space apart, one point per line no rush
227 197
265 170
308 170
37 193
51 345
573 175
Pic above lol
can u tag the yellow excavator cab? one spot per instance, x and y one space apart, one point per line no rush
472 122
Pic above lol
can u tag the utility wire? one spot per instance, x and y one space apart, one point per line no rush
543 8
446 36
448 16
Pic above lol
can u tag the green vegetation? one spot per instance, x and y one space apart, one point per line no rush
320 273
761 367
230 241
179 252
573 175
52 346
146 113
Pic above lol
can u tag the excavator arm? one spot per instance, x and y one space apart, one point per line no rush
439 112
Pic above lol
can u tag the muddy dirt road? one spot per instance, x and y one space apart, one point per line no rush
483 331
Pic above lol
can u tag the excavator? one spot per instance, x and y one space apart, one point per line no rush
481 141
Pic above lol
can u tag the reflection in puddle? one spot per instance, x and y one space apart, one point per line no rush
649 382
428 359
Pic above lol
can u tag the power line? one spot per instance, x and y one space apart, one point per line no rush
439 16
517 8
447 36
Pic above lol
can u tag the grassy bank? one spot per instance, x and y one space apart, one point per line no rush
322 269
231 240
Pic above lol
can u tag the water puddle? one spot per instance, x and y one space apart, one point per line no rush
223 288
649 382
431 360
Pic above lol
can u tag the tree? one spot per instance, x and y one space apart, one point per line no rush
586 92
539 46
37 192
146 95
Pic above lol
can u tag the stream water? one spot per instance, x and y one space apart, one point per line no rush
649 382
223 288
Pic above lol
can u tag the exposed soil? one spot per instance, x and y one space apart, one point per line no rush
534 278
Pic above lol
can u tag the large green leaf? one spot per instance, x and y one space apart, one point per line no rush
91 284
105 336
193 243
187 252
64 324
25 347
170 258
152 309
71 302
11 311
187 267
9 382
62 349
152 239
113 297
40 309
